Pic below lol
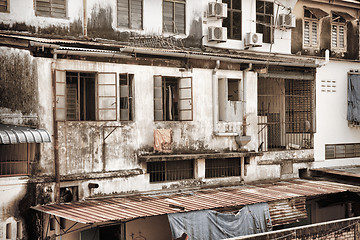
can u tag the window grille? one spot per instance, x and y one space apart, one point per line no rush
226 167
50 8
15 158
170 170
233 21
348 150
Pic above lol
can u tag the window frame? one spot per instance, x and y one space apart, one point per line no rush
342 150
341 22
129 16
130 97
312 19
31 149
160 91
263 24
230 27
7 6
51 13
174 2
166 168
221 168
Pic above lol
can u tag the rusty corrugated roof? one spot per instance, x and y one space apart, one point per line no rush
133 207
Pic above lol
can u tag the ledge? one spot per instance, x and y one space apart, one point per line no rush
281 161
178 157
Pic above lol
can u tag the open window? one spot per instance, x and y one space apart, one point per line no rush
172 98
126 83
230 100
83 96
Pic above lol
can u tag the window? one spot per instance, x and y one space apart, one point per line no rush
84 96
172 99
353 110
338 32
233 21
126 96
233 89
4 6
230 96
171 170
264 20
222 167
349 150
311 29
174 16
130 13
50 8
15 158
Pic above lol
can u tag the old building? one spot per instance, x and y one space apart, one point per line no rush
148 103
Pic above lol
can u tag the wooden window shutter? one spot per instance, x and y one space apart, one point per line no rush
158 101
168 16
43 8
123 13
60 97
185 99
179 18
124 95
4 7
136 14
58 8
107 97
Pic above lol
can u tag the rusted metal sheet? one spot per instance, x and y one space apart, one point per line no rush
286 200
12 134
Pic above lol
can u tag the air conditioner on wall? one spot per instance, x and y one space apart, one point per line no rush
218 10
218 34
287 20
253 39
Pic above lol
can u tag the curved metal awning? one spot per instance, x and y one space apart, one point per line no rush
12 134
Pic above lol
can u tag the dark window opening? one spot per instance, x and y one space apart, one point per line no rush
130 13
52 223
15 158
233 21
226 167
172 99
8 231
80 96
69 194
50 8
174 16
62 223
264 20
233 90
126 97
170 170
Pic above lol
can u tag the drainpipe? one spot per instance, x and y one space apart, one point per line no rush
327 58
85 19
215 87
56 138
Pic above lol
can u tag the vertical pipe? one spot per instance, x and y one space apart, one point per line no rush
85 18
242 169
215 93
56 139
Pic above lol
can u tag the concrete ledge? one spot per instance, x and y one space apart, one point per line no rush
281 161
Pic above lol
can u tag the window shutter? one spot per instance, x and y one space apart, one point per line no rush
334 36
60 97
43 8
168 16
314 31
179 18
158 106
4 6
306 33
124 99
58 8
136 14
107 98
123 13
185 99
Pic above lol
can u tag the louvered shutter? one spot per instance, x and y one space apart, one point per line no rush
60 97
107 97
158 106
185 99
179 18
123 13
136 14
168 16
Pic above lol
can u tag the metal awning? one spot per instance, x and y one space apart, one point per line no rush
345 15
123 209
12 134
317 12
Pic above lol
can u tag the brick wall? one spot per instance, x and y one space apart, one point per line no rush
334 230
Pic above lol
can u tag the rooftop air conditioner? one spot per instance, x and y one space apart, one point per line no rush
253 39
287 20
218 10
218 34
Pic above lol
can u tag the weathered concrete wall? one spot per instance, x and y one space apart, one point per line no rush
324 28
331 111
18 87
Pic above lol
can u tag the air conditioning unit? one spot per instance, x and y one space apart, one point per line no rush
218 10
287 20
253 39
218 34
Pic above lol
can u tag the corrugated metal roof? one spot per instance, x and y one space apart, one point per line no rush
11 134
133 207
287 211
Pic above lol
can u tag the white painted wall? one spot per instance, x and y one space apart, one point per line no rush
331 109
